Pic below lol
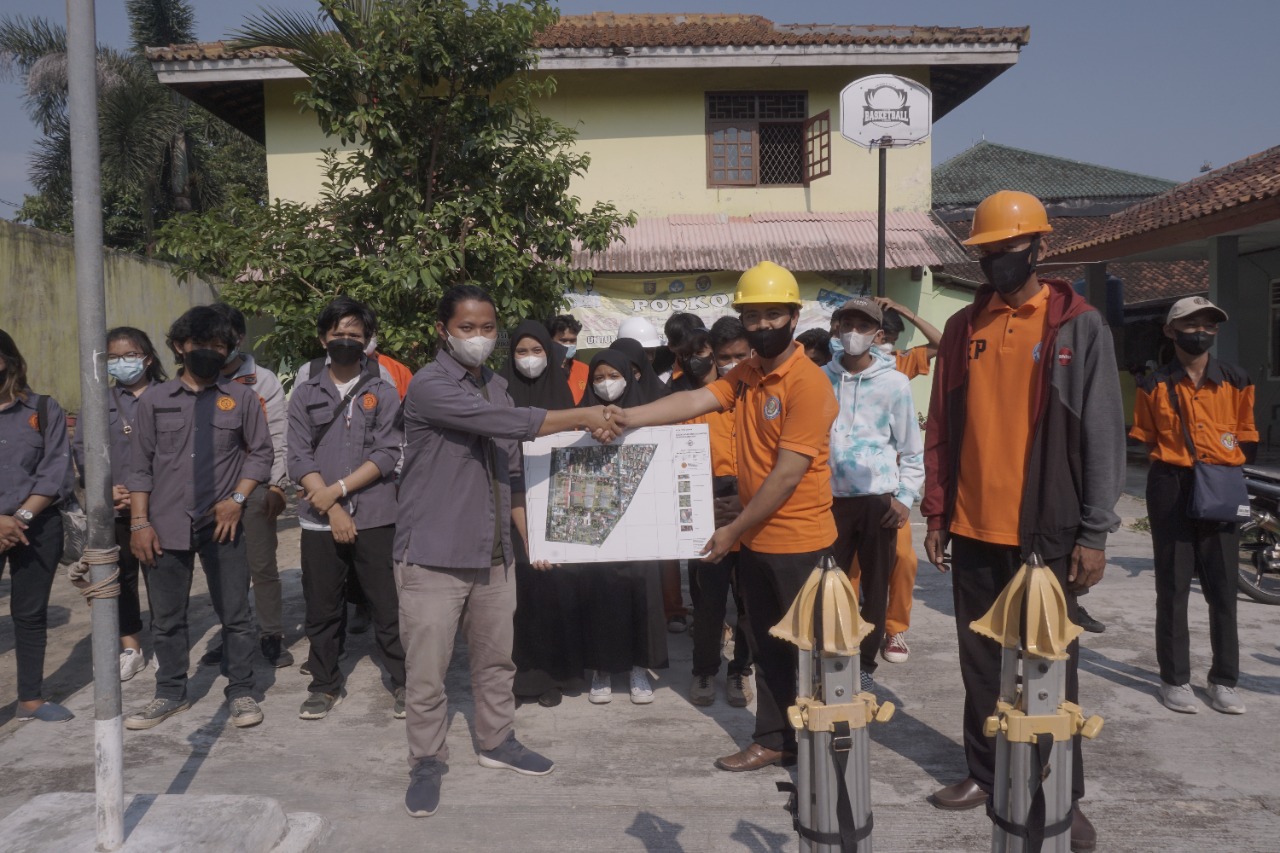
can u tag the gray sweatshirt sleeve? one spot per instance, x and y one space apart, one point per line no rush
272 394
1102 435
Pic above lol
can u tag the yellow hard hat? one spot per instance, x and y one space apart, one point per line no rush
1007 214
767 282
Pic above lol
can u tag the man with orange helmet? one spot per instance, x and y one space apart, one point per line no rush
1024 454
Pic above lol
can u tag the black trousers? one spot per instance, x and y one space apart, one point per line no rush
129 604
709 587
979 572
858 531
1184 548
769 583
326 565
32 568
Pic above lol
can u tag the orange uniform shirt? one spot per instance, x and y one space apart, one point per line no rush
1004 357
400 374
577 380
1218 414
791 408
724 445
913 362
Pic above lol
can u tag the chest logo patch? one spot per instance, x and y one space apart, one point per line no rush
226 404
1065 355
34 422
369 402
772 408
1228 441
1035 353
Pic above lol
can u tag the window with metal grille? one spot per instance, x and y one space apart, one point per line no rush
765 139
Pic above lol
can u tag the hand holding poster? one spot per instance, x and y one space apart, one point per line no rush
647 496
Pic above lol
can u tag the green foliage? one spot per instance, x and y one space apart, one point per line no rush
160 153
454 177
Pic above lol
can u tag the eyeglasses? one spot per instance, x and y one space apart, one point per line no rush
115 359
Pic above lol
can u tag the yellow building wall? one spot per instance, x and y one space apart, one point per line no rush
645 132
38 292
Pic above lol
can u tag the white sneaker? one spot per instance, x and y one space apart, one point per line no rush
601 688
1224 699
1178 697
132 662
641 690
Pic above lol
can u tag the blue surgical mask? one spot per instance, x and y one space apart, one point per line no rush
570 350
127 371
836 347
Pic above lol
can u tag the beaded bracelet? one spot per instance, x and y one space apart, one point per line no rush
134 528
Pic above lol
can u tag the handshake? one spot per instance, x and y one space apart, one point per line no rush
605 423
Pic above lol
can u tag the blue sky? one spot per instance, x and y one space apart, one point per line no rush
1153 86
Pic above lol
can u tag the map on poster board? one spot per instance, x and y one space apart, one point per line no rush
646 496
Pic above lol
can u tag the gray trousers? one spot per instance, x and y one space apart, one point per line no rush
433 601
260 542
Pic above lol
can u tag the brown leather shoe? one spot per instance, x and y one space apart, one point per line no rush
1083 835
960 796
754 757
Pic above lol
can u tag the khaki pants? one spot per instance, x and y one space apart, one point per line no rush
432 603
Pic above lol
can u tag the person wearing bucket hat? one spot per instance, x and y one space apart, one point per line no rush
1024 454
783 408
1214 401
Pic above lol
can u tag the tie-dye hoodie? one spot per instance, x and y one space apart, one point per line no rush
876 447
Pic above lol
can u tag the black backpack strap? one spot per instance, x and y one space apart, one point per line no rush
42 412
315 366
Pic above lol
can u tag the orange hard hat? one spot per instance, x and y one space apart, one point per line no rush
1007 214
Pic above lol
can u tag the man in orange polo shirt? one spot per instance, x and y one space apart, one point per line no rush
783 408
564 329
1024 455
1214 401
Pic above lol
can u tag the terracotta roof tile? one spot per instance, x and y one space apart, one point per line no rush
612 30
1144 281
1245 182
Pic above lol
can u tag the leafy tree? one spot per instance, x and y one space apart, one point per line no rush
160 153
451 174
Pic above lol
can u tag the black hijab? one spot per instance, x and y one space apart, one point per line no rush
550 390
634 395
649 381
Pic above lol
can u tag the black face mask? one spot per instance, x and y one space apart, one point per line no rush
1193 343
698 366
204 364
1008 271
770 343
344 351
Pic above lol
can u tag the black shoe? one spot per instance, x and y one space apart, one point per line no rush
360 621
1087 622
212 657
274 651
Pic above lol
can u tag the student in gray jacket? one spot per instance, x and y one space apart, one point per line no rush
344 444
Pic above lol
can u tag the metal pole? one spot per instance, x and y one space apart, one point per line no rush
82 109
884 150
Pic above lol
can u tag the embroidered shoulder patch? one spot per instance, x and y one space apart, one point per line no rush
34 422
369 402
772 408
226 404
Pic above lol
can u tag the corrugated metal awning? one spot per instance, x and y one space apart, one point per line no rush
814 242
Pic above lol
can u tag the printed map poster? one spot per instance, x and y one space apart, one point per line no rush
646 496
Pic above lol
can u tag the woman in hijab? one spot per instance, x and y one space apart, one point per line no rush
621 603
548 648
651 385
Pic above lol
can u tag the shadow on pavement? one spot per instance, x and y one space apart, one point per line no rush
757 839
655 833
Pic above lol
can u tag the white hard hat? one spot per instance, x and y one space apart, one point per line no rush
640 329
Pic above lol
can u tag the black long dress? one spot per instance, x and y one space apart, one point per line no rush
547 650
621 603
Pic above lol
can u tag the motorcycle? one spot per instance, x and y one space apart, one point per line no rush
1260 535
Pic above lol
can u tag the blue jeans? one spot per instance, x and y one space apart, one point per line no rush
169 587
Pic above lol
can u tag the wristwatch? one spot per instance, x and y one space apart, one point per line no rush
238 498
24 515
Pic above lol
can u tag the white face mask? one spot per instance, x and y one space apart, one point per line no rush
723 369
887 349
570 350
471 352
371 346
855 344
531 365
610 389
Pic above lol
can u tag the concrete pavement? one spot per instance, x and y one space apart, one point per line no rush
640 777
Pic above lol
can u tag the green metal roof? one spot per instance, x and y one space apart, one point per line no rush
972 175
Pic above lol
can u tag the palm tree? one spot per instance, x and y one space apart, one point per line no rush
156 145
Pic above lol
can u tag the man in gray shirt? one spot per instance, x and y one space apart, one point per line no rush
200 447
461 491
